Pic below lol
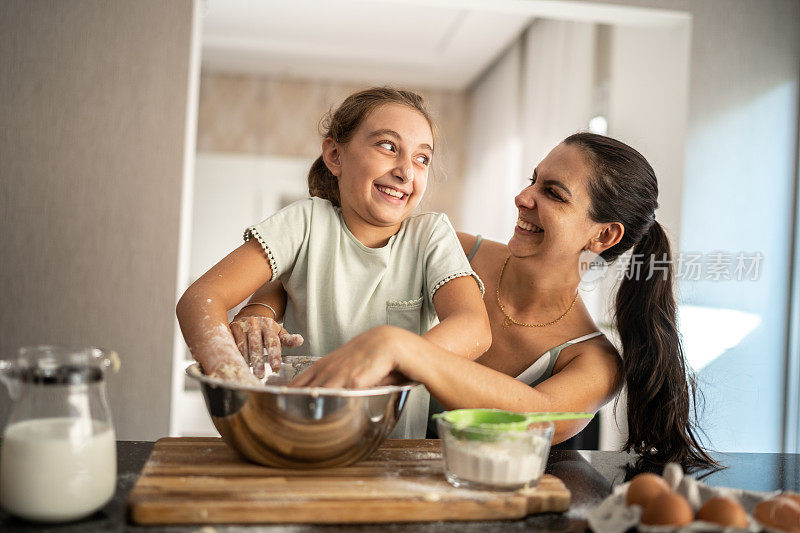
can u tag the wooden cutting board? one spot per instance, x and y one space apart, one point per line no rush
202 481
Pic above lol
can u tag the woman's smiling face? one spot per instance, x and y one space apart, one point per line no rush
383 169
553 211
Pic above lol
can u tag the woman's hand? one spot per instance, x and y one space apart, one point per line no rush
370 359
254 335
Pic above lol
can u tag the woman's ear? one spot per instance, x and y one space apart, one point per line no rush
331 156
609 235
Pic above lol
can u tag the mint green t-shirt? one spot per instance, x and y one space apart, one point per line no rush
338 288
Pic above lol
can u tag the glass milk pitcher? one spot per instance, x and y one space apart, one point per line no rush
58 460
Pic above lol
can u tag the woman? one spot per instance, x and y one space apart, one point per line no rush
590 193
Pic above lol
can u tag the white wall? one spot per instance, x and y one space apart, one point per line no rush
558 85
648 104
94 114
493 151
235 191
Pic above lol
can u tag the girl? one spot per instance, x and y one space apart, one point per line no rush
352 257
590 193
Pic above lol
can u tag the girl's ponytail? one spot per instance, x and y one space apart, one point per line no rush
662 418
322 183
340 125
661 390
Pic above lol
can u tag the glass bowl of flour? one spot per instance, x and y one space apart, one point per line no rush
493 449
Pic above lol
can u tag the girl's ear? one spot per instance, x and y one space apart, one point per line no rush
609 235
330 155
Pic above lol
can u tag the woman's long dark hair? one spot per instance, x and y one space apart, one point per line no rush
662 394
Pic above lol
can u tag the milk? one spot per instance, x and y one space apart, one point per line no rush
57 469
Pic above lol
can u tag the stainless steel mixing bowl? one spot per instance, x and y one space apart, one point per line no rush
301 427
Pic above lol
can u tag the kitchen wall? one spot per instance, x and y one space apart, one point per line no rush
94 126
272 116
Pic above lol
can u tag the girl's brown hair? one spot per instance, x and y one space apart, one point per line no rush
662 415
340 125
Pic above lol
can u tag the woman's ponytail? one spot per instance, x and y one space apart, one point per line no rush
661 392
662 419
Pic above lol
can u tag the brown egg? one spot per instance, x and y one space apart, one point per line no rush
668 509
779 513
645 487
723 511
791 495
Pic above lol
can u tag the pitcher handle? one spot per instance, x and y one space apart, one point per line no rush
8 377
111 361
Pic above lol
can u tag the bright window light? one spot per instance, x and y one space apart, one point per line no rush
599 125
709 332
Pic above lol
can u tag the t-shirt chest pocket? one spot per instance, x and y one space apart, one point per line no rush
405 314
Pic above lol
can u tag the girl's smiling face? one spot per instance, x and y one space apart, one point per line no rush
553 211
383 170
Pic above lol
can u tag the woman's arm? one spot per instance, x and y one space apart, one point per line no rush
202 310
586 383
467 241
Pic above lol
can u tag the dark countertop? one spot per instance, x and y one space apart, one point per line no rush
588 474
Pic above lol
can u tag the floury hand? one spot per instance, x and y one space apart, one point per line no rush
259 340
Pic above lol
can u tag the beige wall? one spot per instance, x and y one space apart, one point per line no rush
93 114
276 116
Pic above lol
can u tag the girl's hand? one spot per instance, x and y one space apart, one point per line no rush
254 335
219 357
234 370
370 359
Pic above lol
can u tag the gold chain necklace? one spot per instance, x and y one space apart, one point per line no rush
508 320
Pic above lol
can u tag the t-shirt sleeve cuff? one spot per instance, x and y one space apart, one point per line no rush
251 232
455 275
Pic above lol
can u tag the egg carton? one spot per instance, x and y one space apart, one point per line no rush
614 516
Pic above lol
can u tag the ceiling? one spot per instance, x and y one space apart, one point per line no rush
425 44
